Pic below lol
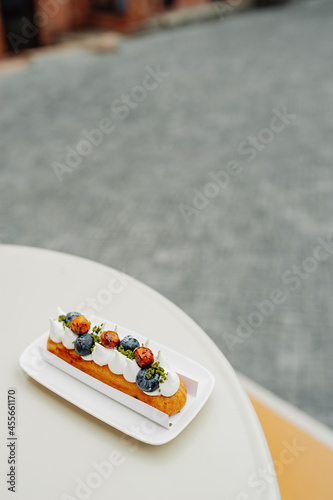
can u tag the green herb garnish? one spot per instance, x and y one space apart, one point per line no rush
128 353
62 319
97 340
96 331
156 368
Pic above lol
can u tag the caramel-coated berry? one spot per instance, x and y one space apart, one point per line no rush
144 356
110 339
80 325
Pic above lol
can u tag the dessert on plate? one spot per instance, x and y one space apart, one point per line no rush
122 363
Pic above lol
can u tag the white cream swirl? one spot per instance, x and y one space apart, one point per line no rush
163 361
56 330
131 370
171 385
100 355
69 338
60 333
117 362
88 357
168 387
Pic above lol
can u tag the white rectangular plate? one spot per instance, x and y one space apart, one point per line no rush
113 412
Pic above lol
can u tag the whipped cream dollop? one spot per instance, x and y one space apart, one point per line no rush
163 361
171 385
100 355
118 363
68 338
168 387
56 330
60 333
131 370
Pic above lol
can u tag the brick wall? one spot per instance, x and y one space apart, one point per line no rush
55 16
2 40
138 11
52 17
188 3
81 12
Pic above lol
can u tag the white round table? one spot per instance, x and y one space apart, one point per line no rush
63 453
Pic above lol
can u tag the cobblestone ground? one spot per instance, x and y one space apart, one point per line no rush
213 184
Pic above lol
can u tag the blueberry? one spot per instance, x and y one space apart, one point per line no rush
147 384
70 316
83 344
130 343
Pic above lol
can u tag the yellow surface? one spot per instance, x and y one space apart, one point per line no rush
304 467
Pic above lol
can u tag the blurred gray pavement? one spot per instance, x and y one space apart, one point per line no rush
247 262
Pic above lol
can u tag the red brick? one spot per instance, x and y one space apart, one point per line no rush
76 14
55 21
3 47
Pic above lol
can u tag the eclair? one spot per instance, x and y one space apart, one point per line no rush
122 363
